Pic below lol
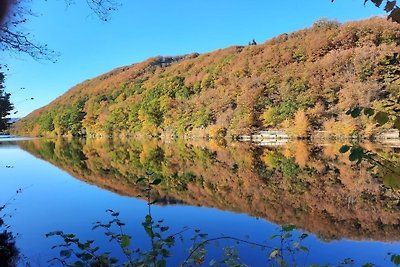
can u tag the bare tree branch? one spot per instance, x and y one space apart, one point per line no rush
14 39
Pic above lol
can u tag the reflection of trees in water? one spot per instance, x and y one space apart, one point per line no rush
312 186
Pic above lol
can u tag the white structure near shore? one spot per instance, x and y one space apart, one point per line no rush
268 136
388 134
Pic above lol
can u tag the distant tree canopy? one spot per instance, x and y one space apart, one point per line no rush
5 105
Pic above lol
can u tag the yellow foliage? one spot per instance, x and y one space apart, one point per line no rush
268 117
301 153
345 126
301 123
268 158
216 131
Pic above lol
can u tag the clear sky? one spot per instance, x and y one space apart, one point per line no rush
142 29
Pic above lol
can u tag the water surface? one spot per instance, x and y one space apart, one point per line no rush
237 190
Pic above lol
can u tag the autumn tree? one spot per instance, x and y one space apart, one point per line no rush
301 123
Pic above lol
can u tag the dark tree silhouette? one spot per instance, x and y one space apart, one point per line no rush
9 253
5 105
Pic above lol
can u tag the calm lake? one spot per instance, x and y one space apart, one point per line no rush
238 190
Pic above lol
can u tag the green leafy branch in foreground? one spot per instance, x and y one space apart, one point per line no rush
76 253
386 168
285 248
380 117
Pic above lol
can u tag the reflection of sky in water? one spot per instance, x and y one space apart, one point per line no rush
53 200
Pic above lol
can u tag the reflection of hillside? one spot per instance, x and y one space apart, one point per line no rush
310 186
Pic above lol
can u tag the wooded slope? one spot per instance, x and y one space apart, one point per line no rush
300 81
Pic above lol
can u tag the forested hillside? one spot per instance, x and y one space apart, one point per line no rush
299 82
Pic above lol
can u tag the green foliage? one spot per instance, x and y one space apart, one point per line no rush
202 118
395 259
117 120
287 109
74 252
46 123
299 56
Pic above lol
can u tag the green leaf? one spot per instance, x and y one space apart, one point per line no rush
303 248
148 218
368 265
161 263
395 259
125 241
356 112
54 233
140 180
273 236
156 181
303 236
369 112
288 228
79 264
356 154
397 123
381 117
344 149
86 256
274 253
120 223
65 253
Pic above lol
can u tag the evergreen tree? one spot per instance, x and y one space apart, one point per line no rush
5 105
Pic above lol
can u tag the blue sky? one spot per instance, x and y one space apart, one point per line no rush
142 29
